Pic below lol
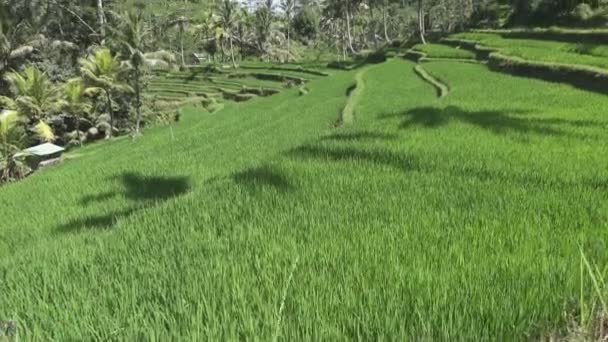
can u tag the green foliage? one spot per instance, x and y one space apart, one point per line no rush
306 23
12 137
35 96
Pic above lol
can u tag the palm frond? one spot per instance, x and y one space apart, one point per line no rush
44 132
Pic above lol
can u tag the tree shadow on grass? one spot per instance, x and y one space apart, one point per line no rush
399 161
145 191
408 163
357 136
495 121
257 178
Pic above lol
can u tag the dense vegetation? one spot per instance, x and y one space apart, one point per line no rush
304 170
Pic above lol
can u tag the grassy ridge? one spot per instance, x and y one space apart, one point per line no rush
561 52
443 51
440 219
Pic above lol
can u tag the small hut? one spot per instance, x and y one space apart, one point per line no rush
199 58
43 155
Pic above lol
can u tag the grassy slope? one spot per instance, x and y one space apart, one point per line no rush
560 52
443 51
454 218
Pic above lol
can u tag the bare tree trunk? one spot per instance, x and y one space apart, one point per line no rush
137 100
384 23
348 33
288 43
181 44
101 18
232 52
373 27
421 22
109 100
78 130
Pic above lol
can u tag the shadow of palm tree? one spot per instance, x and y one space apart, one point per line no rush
408 163
264 176
355 136
145 191
495 121
396 160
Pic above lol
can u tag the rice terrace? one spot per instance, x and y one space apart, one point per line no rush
296 170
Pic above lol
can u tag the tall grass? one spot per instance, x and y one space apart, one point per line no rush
442 219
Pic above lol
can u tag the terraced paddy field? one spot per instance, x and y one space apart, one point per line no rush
425 218
207 85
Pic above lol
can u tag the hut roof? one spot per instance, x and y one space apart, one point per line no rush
44 150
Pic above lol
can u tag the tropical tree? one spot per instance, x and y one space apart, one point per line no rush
103 70
421 22
35 95
13 36
227 19
263 25
181 23
76 102
133 34
288 7
12 135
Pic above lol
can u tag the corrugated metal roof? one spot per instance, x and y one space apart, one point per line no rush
44 149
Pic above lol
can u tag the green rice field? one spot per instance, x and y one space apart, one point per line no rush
460 218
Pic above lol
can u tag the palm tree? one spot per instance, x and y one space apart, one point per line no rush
421 24
102 70
11 138
181 23
227 19
12 40
75 101
35 95
133 34
288 6
263 25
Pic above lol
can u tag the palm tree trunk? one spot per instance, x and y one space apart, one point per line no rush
181 44
348 33
421 22
137 99
78 130
373 27
232 52
101 18
288 43
384 23
109 100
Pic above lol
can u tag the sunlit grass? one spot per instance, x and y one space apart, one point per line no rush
443 219
443 51
543 50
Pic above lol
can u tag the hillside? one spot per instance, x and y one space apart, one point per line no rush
452 218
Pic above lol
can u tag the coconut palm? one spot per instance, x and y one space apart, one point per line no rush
12 45
12 136
288 7
35 96
76 102
227 20
133 34
103 70
181 23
